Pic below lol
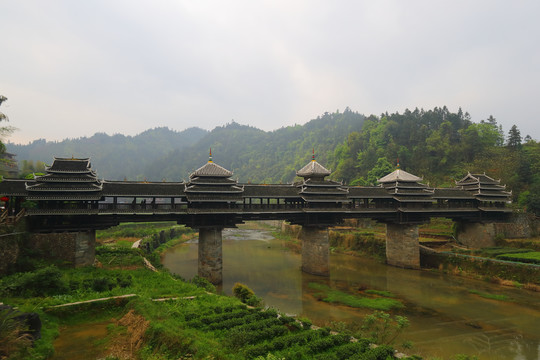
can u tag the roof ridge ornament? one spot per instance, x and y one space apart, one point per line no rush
210 156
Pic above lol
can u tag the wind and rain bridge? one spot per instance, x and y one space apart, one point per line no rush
68 203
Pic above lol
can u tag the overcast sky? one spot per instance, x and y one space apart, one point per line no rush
74 68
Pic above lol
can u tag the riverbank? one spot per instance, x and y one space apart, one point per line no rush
439 251
128 322
447 314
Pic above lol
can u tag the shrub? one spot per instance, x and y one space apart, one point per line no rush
382 328
14 337
246 295
242 292
203 283
43 282
382 352
102 284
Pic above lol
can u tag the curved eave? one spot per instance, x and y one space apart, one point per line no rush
66 179
32 189
308 200
490 209
329 193
144 195
188 192
405 200
57 171
62 198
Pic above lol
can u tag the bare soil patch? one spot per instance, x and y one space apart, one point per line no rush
125 344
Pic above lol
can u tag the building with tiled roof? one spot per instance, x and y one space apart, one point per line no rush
484 189
407 189
211 183
66 179
318 192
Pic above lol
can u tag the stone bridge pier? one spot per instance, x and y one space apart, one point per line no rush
315 250
77 248
402 247
210 262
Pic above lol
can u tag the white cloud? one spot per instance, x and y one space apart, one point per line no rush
126 66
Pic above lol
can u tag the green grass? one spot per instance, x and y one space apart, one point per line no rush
489 296
330 295
138 230
380 292
532 257
206 326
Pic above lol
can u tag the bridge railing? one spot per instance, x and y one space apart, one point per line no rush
140 207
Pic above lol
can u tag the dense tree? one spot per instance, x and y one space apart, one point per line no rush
514 138
4 130
382 167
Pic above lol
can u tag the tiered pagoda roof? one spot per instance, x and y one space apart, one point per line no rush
406 187
315 189
66 179
484 188
212 183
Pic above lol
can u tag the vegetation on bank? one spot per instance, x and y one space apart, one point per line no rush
368 238
524 255
138 231
164 317
372 299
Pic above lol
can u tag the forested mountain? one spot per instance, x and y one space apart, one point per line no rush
441 147
115 157
437 144
262 157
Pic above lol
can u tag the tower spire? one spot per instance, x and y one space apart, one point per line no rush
210 156
313 156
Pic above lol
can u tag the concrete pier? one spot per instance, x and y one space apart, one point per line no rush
315 250
211 254
402 248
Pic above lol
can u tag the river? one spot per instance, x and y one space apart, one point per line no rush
445 317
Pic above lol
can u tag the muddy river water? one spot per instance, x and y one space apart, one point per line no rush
445 317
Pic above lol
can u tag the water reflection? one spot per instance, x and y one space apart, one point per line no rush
445 317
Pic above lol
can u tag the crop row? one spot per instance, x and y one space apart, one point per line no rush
213 311
301 338
230 319
532 257
344 351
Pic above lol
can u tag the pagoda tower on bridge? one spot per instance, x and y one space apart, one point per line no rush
318 192
211 185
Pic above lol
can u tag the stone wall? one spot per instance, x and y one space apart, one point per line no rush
77 248
9 251
520 226
480 235
402 247
476 235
